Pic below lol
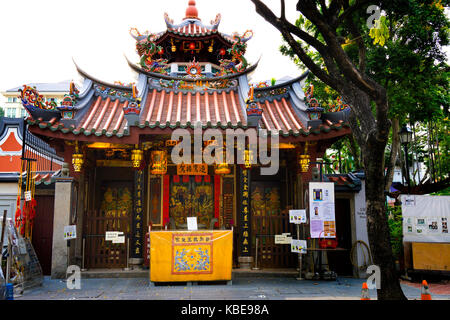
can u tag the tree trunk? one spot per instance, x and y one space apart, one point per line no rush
373 143
394 154
377 226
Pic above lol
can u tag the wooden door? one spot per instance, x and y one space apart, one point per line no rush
42 237
114 214
269 219
339 261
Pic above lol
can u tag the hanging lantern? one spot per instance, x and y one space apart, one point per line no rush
77 159
304 162
222 168
210 48
161 52
248 159
303 159
136 157
192 47
159 162
174 48
222 52
109 153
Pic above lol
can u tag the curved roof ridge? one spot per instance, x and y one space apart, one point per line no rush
284 84
105 83
166 77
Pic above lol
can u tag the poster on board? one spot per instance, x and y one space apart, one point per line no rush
70 232
322 210
425 218
297 216
298 246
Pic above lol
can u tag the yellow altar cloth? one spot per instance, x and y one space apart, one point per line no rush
204 255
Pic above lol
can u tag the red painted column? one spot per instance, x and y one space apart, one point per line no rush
166 193
217 194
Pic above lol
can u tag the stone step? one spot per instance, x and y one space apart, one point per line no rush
144 273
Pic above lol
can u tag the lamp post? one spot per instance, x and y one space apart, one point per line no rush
405 135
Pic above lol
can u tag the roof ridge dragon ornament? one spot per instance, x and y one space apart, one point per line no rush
238 63
146 49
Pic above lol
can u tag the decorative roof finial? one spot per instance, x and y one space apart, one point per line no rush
191 11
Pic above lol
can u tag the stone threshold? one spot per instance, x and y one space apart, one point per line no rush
144 273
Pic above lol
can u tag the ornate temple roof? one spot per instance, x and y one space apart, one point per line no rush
173 94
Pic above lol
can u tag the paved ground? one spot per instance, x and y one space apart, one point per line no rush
242 288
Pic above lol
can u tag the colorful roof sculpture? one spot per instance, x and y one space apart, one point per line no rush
187 74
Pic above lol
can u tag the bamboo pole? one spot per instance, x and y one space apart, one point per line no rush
2 236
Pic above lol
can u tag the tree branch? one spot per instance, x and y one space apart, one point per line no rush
309 10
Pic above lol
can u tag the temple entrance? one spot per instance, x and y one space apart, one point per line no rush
191 196
114 214
269 219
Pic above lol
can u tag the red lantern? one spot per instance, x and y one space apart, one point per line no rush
222 52
160 52
192 46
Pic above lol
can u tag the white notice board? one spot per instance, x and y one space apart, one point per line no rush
425 218
322 219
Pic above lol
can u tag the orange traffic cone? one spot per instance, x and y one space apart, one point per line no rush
425 293
365 292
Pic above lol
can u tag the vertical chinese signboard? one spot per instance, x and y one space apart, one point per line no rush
245 213
136 237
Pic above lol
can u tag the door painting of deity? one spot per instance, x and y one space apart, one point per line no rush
191 196
117 205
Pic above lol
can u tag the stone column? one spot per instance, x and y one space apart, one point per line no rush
63 193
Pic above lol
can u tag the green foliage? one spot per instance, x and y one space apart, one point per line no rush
405 56
379 33
341 157
396 229
445 192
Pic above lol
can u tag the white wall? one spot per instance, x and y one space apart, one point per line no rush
360 219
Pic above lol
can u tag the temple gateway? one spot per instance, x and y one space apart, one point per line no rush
116 141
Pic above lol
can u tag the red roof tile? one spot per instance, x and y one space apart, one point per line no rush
279 115
176 108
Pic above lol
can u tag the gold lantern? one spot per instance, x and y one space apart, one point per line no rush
222 168
210 48
77 159
304 162
136 157
304 159
248 159
159 162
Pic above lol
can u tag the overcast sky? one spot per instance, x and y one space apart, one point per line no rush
39 38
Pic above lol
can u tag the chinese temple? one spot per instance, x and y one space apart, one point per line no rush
117 140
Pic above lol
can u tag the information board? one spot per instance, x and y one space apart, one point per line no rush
425 218
322 210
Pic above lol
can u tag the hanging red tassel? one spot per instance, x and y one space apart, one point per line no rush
17 217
